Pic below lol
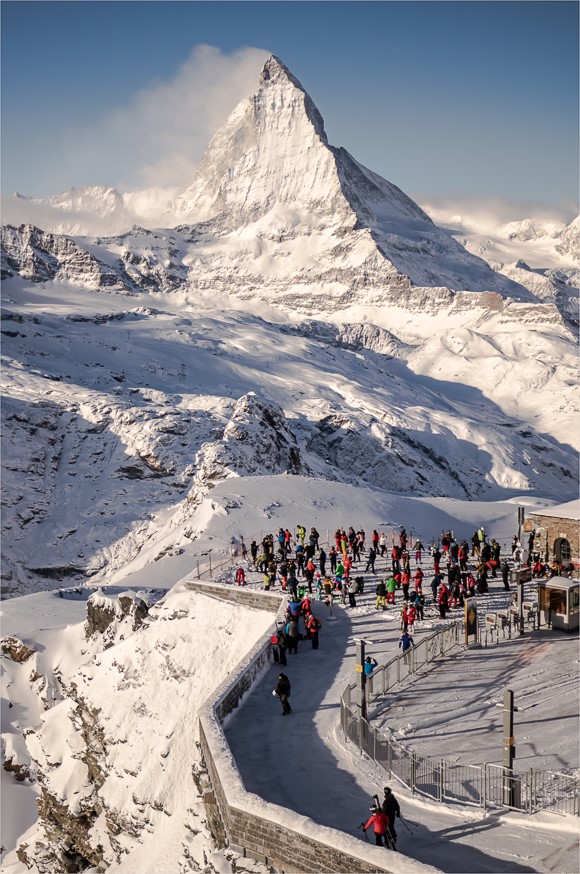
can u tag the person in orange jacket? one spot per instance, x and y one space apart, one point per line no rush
380 824
313 626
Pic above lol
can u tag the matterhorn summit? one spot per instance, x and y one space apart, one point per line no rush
287 205
271 154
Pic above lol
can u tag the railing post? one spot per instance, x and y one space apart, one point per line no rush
390 757
210 573
198 570
483 791
413 771
441 767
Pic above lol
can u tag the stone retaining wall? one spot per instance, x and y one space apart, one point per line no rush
278 837
239 595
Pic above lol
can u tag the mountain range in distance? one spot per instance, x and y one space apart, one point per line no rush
290 312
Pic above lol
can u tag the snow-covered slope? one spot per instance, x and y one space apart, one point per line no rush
103 723
142 368
118 422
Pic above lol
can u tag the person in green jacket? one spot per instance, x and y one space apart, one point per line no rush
391 589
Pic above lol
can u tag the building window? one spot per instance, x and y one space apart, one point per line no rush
562 551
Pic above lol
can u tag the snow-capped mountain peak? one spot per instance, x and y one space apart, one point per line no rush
272 151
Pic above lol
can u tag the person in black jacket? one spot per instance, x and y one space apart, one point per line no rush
391 809
282 691
505 575
371 560
282 646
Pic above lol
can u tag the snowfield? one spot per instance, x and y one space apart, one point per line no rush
288 340
160 674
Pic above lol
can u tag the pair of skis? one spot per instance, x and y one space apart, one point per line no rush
388 836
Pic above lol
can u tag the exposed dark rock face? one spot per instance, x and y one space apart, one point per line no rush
14 649
256 441
103 611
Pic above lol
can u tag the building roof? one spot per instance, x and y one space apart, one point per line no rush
559 583
570 510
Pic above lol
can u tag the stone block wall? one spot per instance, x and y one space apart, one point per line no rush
270 842
238 595
254 827
557 528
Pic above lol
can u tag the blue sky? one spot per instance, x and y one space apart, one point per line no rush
448 100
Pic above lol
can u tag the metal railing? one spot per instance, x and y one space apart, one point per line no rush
214 563
483 786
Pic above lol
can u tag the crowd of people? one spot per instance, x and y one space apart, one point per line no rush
301 566
299 563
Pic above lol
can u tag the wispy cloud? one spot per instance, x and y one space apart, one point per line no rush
486 214
159 137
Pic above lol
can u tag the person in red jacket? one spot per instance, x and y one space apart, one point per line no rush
380 824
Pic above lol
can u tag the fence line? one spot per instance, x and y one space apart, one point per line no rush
483 786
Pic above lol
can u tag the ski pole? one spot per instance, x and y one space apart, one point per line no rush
362 825
405 824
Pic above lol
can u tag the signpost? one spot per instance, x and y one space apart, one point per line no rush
518 578
521 516
362 677
510 798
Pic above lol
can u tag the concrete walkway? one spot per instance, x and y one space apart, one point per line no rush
300 761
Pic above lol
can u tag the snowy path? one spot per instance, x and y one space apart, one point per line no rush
302 762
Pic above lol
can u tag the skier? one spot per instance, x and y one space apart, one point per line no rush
322 562
505 575
406 582
391 809
282 646
436 561
405 643
391 589
443 600
380 825
420 605
371 560
383 543
395 556
352 590
282 691
418 550
291 631
313 625
333 558
240 577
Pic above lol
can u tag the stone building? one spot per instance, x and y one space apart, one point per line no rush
557 534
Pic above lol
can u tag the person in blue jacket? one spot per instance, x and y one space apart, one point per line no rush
369 665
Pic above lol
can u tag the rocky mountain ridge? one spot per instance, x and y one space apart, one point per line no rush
303 316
